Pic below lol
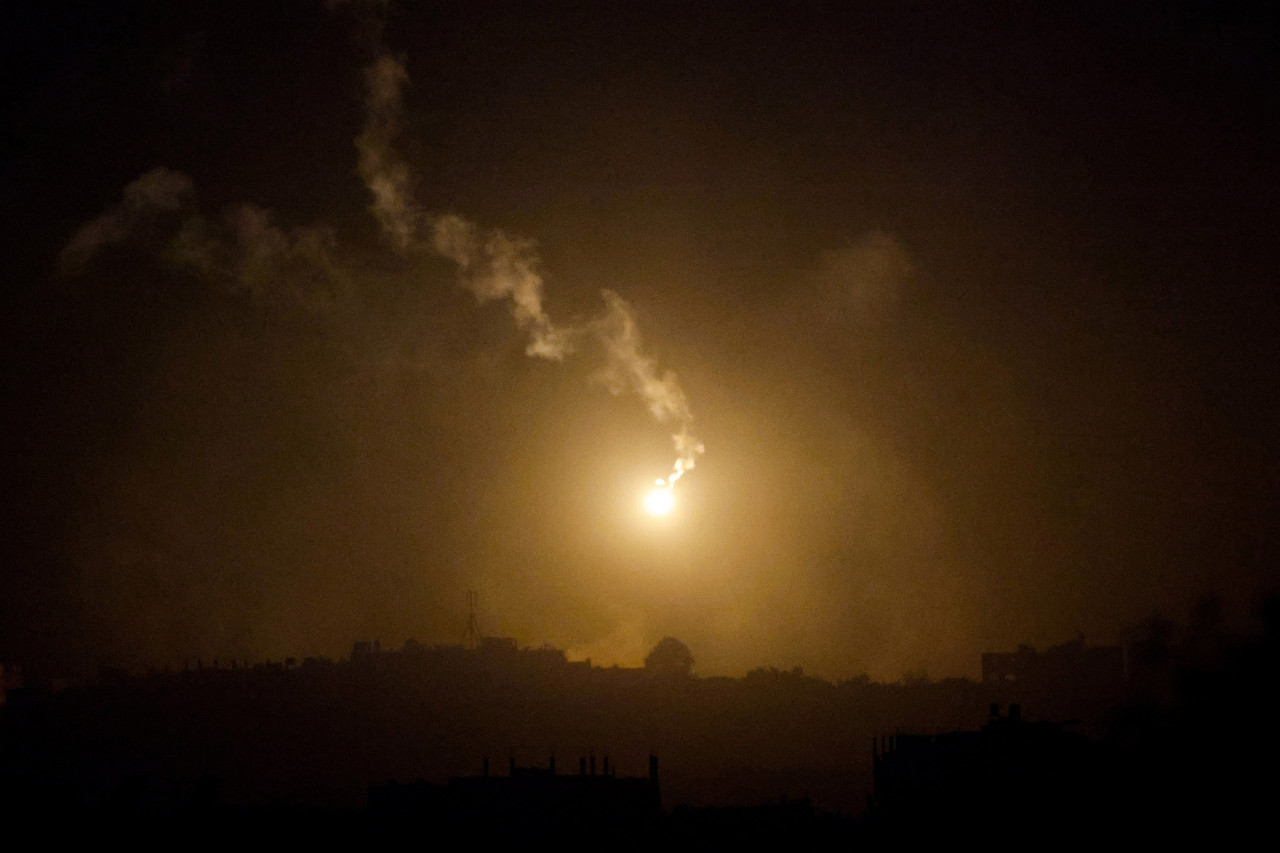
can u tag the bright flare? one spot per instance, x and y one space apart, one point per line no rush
660 501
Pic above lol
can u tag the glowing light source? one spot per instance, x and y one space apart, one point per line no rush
660 501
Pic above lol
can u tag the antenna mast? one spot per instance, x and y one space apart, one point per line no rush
471 639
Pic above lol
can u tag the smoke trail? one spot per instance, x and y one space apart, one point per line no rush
249 252
627 368
496 265
493 265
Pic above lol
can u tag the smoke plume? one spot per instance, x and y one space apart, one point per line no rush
385 175
496 265
627 368
246 250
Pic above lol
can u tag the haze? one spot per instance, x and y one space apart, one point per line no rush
972 311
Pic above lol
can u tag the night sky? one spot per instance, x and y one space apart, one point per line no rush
973 307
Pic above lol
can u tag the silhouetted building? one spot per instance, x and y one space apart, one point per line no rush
1065 665
493 645
528 801
10 679
1068 681
785 824
1010 773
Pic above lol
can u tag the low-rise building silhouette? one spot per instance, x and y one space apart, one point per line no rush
529 800
1011 772
1071 680
1062 666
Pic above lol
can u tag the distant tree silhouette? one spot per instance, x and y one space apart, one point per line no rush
669 657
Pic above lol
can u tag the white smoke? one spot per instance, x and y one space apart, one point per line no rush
628 369
248 251
496 265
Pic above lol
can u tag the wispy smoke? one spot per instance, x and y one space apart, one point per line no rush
496 265
242 250
246 250
159 190
383 173
627 368
492 265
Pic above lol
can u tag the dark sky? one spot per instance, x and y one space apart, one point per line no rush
973 306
